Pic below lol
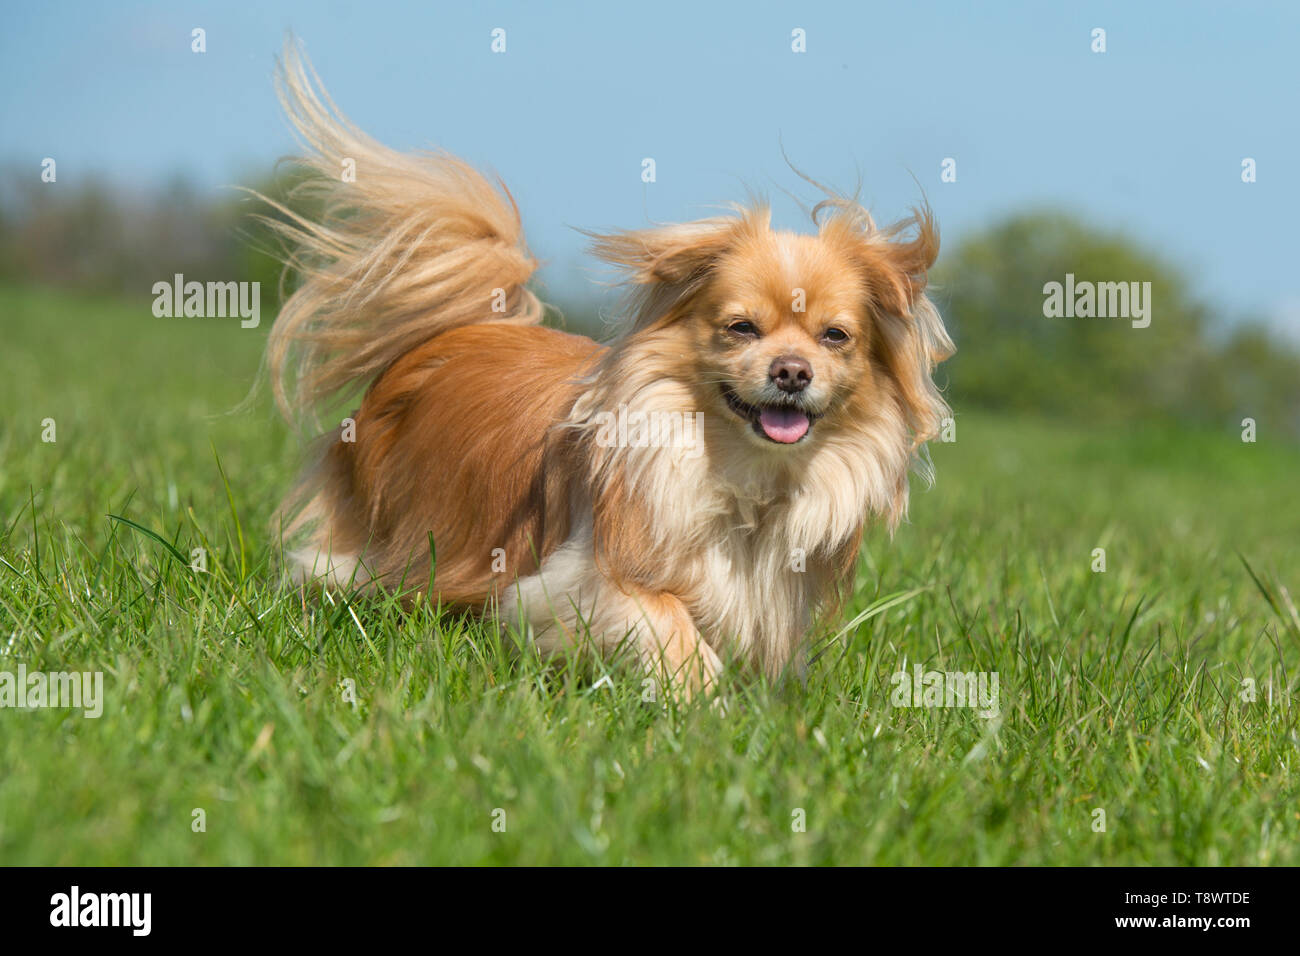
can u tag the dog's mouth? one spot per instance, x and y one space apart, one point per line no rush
784 424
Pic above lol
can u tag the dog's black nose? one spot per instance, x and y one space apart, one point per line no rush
790 373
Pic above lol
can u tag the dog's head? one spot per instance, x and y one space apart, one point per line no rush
792 337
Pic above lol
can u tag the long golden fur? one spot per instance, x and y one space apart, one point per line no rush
806 361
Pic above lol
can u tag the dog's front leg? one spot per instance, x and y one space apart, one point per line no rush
570 602
669 644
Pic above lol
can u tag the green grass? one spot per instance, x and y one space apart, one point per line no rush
1119 690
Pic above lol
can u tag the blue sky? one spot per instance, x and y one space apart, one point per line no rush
1147 137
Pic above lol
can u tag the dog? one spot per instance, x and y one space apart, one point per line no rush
482 454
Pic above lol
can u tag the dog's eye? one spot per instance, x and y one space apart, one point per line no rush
835 336
744 327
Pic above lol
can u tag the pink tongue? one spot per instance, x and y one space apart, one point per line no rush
785 425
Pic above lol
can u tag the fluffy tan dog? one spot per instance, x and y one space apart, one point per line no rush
697 487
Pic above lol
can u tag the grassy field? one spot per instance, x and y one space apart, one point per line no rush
1121 691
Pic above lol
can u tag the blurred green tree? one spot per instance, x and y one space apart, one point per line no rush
1012 356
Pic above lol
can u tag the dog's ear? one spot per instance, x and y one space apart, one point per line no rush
894 264
910 339
667 265
677 254
909 260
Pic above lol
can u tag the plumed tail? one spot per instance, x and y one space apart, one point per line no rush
406 246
